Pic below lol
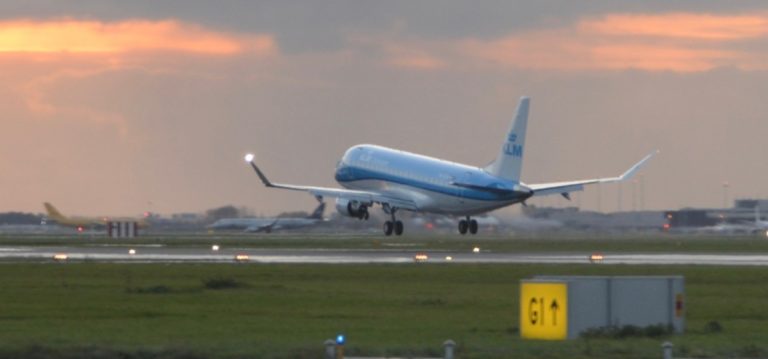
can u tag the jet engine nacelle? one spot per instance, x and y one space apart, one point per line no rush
352 208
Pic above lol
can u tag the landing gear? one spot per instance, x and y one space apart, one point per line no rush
357 210
463 226
388 228
398 228
468 225
473 226
363 213
394 225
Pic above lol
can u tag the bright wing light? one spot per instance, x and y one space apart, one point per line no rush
249 157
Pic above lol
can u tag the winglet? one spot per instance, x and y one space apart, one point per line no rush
249 158
632 170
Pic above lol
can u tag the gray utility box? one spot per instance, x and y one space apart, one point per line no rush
122 229
601 301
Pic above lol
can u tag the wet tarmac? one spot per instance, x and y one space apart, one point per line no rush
176 254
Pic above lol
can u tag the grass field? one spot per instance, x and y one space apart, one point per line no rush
287 311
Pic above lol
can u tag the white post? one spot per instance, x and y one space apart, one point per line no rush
330 349
667 348
449 345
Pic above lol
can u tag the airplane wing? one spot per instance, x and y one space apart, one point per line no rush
319 192
563 188
265 228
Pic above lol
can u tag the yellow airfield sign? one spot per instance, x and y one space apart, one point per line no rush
544 310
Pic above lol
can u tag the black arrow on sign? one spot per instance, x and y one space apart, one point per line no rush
553 307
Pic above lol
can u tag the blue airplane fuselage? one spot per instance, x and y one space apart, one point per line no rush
436 185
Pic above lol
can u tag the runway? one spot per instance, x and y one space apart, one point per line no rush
175 254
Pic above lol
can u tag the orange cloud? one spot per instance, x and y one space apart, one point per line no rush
680 25
659 58
411 57
666 42
76 36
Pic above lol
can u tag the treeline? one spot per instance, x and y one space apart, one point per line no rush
20 218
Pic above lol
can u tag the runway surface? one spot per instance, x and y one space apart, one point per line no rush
175 254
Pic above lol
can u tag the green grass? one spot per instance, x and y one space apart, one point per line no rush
287 311
560 243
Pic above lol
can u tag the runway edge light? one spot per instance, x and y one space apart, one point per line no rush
340 340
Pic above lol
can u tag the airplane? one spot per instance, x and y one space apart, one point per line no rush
403 181
82 223
268 225
758 223
756 226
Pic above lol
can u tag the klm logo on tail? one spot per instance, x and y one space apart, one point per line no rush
509 161
512 149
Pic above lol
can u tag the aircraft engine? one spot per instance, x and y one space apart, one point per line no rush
352 208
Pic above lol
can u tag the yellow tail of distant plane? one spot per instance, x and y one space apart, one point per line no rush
86 222
54 213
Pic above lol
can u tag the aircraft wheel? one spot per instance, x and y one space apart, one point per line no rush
473 226
362 211
398 228
388 228
463 226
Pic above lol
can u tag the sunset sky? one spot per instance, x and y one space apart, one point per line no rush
121 107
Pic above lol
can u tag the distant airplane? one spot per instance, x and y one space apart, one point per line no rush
756 226
730 228
268 225
398 180
724 228
758 223
83 223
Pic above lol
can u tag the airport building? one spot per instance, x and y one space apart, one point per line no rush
743 211
572 218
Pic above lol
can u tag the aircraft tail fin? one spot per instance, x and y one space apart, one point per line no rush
318 212
509 162
53 213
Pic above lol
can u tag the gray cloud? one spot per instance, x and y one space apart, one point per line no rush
178 126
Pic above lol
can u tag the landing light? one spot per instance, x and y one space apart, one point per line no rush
596 257
448 258
60 257
249 157
476 250
242 258
215 247
131 251
766 233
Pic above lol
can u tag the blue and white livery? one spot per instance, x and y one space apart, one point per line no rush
398 180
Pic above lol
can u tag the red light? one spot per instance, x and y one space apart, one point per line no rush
79 229
146 214
430 225
666 226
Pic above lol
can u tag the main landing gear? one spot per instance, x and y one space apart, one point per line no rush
394 225
468 225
